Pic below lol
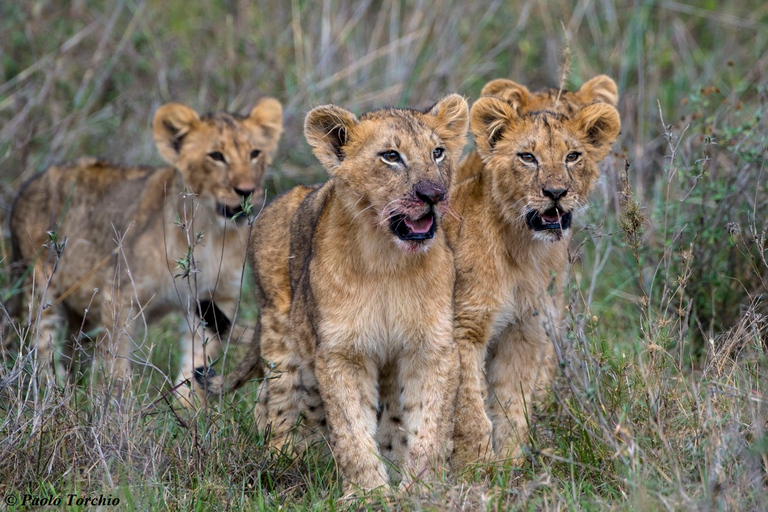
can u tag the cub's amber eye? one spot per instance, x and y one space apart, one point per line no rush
438 154
217 156
255 154
391 156
572 156
527 158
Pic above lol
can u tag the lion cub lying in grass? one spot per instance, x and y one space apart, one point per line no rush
535 169
105 243
354 281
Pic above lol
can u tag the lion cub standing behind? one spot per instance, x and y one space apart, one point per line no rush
536 169
355 287
126 229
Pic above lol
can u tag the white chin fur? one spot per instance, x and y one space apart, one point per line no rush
548 236
413 247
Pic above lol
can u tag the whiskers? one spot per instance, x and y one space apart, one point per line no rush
383 222
525 209
386 213
579 207
448 209
362 211
399 222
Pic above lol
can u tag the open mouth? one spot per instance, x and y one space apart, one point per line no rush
230 212
406 228
552 219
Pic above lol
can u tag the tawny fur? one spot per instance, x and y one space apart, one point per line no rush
600 88
355 321
509 278
125 227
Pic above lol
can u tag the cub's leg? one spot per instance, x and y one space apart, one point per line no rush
311 409
78 352
390 435
48 324
282 391
347 381
521 363
201 345
473 429
429 382
198 348
114 345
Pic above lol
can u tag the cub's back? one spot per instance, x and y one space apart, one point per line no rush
87 200
89 204
269 250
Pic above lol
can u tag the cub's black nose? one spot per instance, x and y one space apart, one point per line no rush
245 192
430 193
554 193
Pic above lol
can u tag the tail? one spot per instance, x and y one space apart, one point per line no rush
212 384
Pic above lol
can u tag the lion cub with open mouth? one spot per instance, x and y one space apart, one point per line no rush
354 281
122 232
534 170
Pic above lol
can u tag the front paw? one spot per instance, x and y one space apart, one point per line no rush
365 482
261 417
473 442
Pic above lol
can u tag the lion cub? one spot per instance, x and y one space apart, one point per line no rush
354 281
106 243
600 88
511 253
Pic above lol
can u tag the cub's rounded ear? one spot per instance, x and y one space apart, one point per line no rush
171 124
601 88
489 119
327 129
452 120
268 114
599 125
515 94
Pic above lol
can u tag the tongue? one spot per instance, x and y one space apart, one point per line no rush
550 218
420 226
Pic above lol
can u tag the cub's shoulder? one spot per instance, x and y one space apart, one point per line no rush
470 165
279 212
274 226
313 201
